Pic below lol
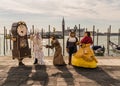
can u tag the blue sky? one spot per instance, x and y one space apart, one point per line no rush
41 13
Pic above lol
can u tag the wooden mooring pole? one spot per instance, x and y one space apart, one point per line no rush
93 34
119 37
4 41
30 40
42 33
10 39
63 30
49 40
97 36
108 40
33 29
79 32
75 28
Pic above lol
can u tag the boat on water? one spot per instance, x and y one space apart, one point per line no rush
98 50
115 47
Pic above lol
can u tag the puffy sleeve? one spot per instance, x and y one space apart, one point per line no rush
87 40
84 40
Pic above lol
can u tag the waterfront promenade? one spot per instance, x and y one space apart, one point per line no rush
107 73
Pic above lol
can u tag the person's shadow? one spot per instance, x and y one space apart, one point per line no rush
40 76
17 76
65 74
98 75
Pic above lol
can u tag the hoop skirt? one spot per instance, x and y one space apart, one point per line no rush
84 57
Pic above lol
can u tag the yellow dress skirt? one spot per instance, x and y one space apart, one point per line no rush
84 57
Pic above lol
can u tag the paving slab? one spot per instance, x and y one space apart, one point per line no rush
49 75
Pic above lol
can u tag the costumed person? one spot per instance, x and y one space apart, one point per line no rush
38 49
71 46
58 57
85 57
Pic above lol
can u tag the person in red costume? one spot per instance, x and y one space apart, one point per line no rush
87 39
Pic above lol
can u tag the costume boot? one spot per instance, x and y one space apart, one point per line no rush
20 62
36 61
69 61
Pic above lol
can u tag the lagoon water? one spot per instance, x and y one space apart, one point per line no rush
102 41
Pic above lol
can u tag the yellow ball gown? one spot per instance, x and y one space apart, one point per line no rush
84 57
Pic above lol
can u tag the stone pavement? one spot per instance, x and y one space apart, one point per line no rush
107 74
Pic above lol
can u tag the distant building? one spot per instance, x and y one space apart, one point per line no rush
76 31
65 32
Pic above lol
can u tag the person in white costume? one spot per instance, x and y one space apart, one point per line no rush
38 49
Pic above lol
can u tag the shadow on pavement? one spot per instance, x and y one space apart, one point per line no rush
99 75
40 76
65 74
17 76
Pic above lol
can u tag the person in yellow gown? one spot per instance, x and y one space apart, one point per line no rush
85 57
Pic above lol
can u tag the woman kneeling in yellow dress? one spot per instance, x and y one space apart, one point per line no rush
85 57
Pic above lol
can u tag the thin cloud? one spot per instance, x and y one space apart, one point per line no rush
95 9
44 11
